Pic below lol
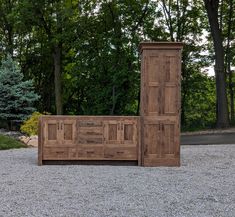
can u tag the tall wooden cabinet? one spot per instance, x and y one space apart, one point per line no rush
160 103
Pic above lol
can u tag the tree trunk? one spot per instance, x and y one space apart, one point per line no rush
222 119
57 79
228 60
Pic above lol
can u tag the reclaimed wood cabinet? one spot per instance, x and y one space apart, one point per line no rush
88 138
151 139
160 103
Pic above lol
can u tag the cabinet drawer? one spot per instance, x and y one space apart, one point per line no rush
120 153
83 139
54 153
91 153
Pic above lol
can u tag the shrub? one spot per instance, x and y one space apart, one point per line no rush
30 126
16 94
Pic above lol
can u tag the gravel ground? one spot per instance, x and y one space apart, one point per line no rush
203 186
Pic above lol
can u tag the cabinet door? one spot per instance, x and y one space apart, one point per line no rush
112 132
161 144
68 132
52 133
120 140
129 132
162 83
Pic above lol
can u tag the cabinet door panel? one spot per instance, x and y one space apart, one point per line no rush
152 146
170 143
170 99
170 68
51 133
112 132
154 68
129 132
68 128
153 99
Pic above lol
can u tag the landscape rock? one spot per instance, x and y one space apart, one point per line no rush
31 141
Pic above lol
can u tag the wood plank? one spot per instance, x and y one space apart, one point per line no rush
40 141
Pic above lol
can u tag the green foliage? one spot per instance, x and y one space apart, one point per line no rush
30 126
200 102
16 95
100 64
9 143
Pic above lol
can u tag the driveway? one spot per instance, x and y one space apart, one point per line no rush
206 139
202 187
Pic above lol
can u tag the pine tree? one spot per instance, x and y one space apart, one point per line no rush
16 95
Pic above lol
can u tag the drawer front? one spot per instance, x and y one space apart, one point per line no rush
55 153
120 153
90 153
90 132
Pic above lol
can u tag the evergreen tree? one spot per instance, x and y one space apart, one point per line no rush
16 95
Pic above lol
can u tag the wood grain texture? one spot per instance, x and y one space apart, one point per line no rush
89 138
160 103
153 139
40 142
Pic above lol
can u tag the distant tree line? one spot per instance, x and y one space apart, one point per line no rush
83 58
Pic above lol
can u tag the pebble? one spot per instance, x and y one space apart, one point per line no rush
203 186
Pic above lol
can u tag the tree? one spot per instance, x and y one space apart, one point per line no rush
16 95
104 72
7 23
183 21
216 33
229 36
50 18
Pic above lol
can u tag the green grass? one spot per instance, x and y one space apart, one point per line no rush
9 143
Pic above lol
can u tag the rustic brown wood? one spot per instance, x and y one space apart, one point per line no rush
88 138
39 142
160 103
149 140
91 162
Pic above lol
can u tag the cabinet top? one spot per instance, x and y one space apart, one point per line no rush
148 45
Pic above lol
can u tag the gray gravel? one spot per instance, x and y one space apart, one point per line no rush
203 186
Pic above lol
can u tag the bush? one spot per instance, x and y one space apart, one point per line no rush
30 126
16 94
